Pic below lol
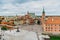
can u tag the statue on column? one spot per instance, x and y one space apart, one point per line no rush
18 29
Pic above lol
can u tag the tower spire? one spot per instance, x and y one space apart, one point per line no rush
43 16
43 10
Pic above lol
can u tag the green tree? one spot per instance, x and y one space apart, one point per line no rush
4 28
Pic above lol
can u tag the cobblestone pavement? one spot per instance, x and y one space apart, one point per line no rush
35 28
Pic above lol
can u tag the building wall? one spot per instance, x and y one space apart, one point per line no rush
52 29
52 25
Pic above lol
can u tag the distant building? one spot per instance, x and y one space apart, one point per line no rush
38 16
32 15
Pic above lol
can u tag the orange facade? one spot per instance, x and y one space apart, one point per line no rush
51 24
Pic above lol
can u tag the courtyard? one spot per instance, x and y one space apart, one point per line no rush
34 28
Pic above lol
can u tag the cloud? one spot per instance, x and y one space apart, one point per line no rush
13 7
23 1
51 7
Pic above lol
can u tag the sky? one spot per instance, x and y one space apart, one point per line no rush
20 7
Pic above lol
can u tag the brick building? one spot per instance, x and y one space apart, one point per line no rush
51 24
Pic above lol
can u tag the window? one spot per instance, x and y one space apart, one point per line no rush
59 25
59 30
48 27
55 25
51 28
55 30
51 24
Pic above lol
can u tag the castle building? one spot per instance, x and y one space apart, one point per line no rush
51 24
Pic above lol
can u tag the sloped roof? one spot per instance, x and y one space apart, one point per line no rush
53 20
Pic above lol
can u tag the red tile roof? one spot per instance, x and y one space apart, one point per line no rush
53 20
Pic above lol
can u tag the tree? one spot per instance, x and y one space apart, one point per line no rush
4 28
